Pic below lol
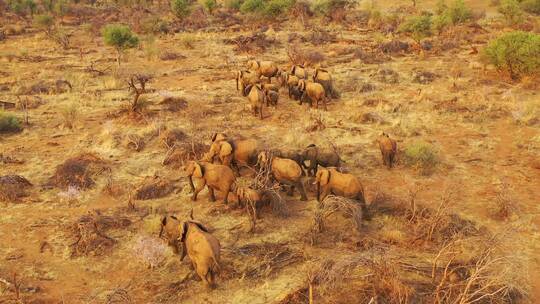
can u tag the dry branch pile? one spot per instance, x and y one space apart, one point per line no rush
253 44
332 204
89 234
13 187
174 104
180 153
78 171
152 188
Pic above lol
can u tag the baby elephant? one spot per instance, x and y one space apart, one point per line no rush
330 181
285 171
216 177
257 99
253 200
388 148
318 157
202 247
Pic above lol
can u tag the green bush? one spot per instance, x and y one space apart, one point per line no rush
531 6
422 156
9 123
22 7
458 12
326 7
44 22
275 8
517 53
233 4
440 22
61 7
120 37
418 27
209 5
511 11
252 6
180 8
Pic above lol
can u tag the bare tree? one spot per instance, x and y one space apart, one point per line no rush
137 85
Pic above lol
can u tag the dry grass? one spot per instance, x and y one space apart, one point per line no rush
332 204
152 188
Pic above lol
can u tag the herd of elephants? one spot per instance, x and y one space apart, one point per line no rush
219 167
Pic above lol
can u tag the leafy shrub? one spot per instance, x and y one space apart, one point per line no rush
154 25
9 123
440 22
22 7
531 6
458 12
326 7
277 7
418 27
233 4
252 6
511 11
120 37
180 8
517 53
209 5
422 156
44 22
61 7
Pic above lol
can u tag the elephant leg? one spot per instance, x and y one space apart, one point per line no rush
300 186
212 194
197 190
226 198
290 191
324 103
383 158
210 279
324 193
391 161
261 111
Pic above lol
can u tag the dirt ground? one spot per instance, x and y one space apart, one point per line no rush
483 127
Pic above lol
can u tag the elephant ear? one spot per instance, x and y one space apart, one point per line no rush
293 69
198 171
183 232
315 75
325 176
200 225
226 149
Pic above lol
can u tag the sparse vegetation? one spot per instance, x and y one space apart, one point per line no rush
516 53
154 25
44 22
252 6
9 123
121 38
209 5
531 6
327 7
421 156
69 114
233 4
455 13
180 8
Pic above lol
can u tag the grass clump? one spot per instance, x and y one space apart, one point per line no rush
209 5
517 53
511 11
233 4
275 8
531 6
69 114
44 22
180 8
419 27
120 37
9 123
422 156
326 7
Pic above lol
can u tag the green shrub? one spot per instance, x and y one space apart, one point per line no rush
275 8
422 156
180 8
22 7
120 37
531 6
511 11
517 53
209 5
154 25
418 27
61 7
9 123
440 22
44 22
233 4
252 6
458 12
326 7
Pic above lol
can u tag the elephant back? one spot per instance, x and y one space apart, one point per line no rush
286 169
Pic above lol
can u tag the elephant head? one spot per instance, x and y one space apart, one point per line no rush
221 148
218 137
169 230
322 178
253 65
194 169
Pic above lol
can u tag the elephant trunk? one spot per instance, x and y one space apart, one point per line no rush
237 83
183 251
318 191
191 183
161 231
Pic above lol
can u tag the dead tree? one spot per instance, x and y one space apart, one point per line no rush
137 84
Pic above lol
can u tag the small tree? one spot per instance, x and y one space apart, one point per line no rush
180 8
511 11
44 22
517 53
209 5
419 27
137 85
120 37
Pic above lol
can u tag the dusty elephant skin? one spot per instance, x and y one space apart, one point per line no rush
216 177
285 171
319 157
234 153
312 91
388 149
330 181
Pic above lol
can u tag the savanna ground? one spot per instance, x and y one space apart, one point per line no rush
454 229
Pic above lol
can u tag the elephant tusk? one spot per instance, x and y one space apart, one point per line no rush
314 183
